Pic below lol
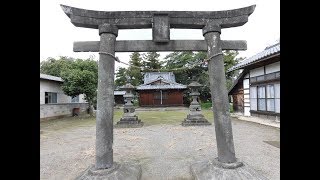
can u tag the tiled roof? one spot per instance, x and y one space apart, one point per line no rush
167 77
165 86
268 51
153 76
117 93
49 77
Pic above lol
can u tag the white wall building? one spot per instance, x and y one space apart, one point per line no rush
256 91
53 102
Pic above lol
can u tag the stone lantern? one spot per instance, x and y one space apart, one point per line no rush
129 118
195 116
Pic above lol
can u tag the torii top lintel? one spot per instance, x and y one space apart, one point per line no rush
160 22
144 19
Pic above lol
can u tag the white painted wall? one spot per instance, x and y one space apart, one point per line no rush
246 98
81 99
274 67
54 86
257 72
245 83
246 111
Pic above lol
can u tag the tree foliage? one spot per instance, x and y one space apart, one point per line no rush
134 72
54 67
151 61
120 79
230 59
191 68
199 72
80 76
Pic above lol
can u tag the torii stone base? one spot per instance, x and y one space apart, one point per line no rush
116 172
195 118
214 170
129 122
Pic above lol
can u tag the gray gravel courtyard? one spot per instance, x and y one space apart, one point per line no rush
164 151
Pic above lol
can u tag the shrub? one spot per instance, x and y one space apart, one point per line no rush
206 105
135 102
231 108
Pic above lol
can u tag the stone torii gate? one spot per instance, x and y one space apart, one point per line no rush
211 23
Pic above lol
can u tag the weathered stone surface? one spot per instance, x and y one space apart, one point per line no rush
195 117
105 100
212 170
116 172
108 28
129 118
143 19
129 123
147 45
160 28
219 96
196 120
211 28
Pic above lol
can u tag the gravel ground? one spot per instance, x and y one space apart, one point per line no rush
164 151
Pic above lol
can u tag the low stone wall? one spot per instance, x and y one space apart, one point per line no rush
53 111
265 116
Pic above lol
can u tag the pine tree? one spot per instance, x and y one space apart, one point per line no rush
134 71
151 61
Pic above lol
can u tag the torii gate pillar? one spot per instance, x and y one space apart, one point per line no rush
226 165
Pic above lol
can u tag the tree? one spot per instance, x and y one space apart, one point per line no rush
192 67
229 61
134 71
80 77
121 77
54 67
151 61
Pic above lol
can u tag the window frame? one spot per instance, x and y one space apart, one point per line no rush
49 98
266 98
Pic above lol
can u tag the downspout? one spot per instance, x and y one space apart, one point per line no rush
161 96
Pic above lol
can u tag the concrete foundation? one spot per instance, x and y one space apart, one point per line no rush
195 120
129 122
215 170
116 172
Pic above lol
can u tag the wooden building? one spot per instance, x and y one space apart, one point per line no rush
160 89
256 91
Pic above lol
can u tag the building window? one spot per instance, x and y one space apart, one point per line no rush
261 98
50 97
75 99
266 98
270 98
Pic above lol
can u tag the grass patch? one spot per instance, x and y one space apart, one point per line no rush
165 117
148 117
67 122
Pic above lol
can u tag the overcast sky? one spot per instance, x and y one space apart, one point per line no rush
57 34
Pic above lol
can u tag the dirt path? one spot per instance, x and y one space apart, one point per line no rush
164 151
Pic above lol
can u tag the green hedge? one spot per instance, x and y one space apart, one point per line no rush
206 105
